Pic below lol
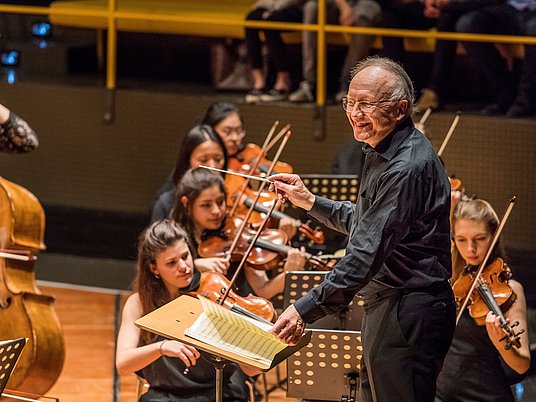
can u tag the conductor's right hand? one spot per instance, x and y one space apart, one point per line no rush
291 186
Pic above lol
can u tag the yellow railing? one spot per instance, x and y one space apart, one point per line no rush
112 14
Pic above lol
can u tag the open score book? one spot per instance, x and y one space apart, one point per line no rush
212 328
235 333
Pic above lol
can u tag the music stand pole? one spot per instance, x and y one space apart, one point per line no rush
219 364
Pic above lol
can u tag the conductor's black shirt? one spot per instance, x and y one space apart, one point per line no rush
399 231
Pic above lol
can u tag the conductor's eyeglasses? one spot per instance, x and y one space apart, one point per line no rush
349 105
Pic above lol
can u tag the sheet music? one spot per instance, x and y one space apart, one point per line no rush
235 333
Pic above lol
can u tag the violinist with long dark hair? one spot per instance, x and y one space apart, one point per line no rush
200 208
200 146
473 369
165 270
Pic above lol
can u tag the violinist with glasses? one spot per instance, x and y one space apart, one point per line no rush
481 363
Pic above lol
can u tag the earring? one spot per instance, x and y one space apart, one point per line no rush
156 275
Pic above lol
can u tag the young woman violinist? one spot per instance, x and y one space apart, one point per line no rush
477 366
200 146
226 120
200 208
165 269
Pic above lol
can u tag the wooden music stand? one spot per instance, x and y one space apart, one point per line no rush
327 368
173 321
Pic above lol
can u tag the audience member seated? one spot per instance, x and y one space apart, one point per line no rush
516 17
362 13
402 14
271 10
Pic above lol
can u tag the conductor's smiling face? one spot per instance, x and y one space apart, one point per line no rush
374 114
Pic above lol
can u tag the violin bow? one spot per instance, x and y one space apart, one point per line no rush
250 211
18 257
449 133
254 167
425 116
257 162
259 192
486 257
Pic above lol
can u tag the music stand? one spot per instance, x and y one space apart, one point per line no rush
173 320
327 368
335 187
298 283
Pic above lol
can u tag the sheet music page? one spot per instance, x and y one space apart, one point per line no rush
232 332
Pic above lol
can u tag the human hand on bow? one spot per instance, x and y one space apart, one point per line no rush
291 186
289 326
212 264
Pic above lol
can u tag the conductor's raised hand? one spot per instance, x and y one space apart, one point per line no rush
289 326
291 186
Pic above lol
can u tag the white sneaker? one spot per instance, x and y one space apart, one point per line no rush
303 94
254 96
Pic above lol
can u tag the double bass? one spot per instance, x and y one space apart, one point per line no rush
24 310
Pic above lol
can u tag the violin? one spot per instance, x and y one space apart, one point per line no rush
483 279
316 262
492 294
316 236
219 243
252 155
213 286
24 310
234 185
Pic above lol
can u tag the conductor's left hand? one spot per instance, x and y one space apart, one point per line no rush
289 326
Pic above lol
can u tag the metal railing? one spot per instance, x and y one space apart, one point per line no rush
112 14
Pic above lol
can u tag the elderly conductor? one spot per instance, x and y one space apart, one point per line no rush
398 252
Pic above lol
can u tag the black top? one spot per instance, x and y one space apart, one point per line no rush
398 230
472 370
168 381
16 136
163 205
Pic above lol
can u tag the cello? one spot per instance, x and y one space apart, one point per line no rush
24 310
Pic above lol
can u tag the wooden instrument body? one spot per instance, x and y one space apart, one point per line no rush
24 310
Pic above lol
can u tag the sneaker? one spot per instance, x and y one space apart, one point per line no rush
428 99
274 95
303 94
254 96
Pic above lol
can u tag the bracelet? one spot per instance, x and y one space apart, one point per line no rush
160 348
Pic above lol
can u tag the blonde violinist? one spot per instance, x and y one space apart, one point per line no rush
478 367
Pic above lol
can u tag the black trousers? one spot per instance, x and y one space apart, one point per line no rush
405 336
277 49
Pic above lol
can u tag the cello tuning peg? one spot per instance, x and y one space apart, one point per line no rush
515 324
